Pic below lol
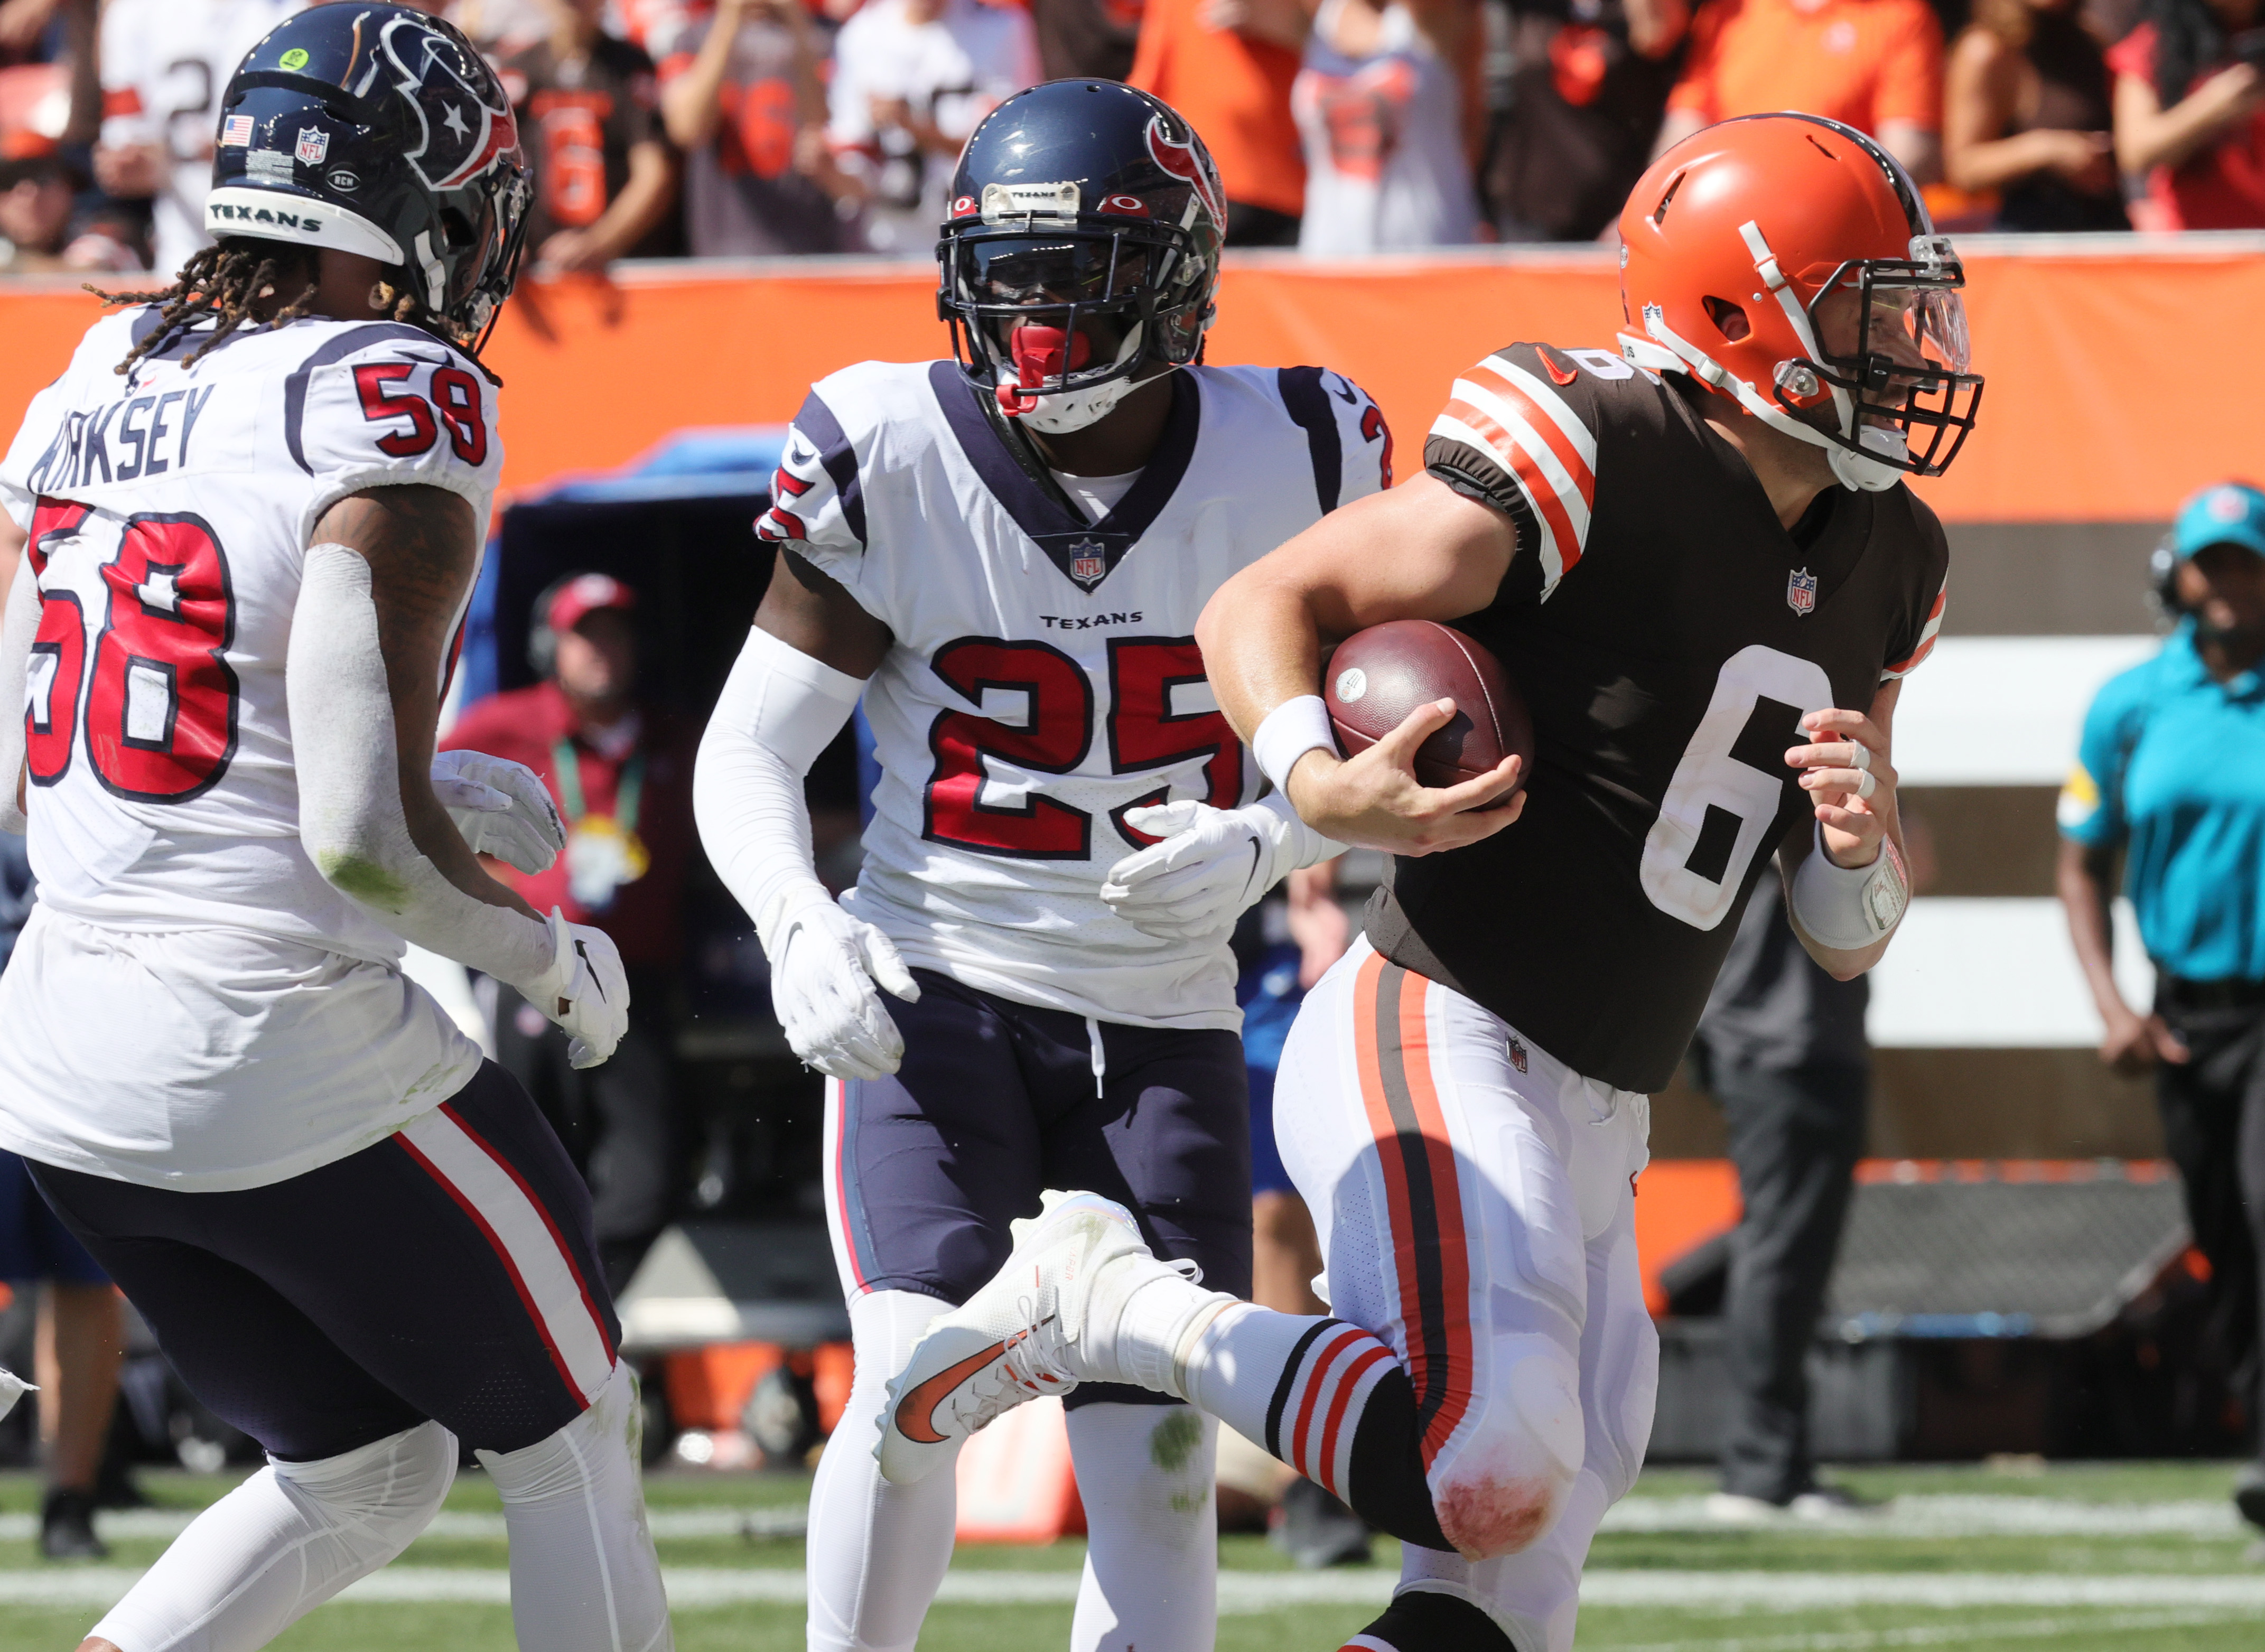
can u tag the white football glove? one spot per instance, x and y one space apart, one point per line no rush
1211 865
824 965
501 807
12 1388
585 990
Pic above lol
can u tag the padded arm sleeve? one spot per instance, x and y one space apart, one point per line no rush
16 629
350 813
779 709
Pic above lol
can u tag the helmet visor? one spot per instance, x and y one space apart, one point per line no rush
1892 333
1920 328
1027 271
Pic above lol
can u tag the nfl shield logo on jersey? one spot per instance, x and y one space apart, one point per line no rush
314 144
1801 591
1087 564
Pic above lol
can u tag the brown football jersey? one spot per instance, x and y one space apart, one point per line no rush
1668 633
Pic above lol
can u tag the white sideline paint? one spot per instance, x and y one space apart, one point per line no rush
1979 973
2003 710
1246 1593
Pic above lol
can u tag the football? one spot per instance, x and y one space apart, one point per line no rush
1378 676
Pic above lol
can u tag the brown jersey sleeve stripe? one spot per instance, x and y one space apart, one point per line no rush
1543 422
1562 546
1927 633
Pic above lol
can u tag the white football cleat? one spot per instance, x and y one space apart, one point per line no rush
1013 1341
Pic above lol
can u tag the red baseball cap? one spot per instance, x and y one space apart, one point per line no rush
584 595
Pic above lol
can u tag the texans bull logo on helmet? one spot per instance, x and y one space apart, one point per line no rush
1183 160
464 131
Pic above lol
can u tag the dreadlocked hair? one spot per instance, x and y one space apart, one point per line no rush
226 282
223 281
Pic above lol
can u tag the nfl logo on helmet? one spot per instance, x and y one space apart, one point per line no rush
1801 591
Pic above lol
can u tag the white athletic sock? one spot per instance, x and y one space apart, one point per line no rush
877 1552
282 1543
1140 1312
1152 1561
583 1577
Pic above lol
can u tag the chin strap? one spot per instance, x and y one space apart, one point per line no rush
1041 353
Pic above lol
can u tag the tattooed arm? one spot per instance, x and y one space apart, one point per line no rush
422 545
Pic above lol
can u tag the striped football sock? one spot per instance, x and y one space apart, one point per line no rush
1327 1398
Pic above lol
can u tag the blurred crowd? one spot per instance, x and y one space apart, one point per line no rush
715 128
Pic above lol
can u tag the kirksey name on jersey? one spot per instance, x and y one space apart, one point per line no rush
1044 677
168 513
1668 633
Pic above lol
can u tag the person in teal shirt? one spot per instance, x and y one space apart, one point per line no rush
2170 776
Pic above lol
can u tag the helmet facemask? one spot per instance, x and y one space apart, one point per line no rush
1064 316
1902 396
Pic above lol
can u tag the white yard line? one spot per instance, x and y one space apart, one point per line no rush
718 1522
1965 1633
1929 1516
1953 1516
1244 1593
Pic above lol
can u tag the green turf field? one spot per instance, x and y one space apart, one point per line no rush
2080 1559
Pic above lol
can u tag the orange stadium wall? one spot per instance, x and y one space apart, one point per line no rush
2123 372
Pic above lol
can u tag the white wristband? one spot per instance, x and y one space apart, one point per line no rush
1848 909
1291 730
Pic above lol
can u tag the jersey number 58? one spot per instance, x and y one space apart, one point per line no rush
160 708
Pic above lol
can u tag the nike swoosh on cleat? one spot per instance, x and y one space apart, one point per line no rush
916 1411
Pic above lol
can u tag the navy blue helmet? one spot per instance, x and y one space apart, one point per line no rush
1082 246
381 131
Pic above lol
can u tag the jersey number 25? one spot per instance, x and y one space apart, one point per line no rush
1144 734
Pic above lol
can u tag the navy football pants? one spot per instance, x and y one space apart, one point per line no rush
445 1273
997 1101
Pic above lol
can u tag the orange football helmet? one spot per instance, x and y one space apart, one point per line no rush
1734 248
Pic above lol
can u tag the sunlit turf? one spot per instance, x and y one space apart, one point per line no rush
353 1626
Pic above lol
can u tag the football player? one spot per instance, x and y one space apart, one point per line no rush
1005 555
1697 557
254 505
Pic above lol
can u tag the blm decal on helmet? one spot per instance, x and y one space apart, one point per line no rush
466 122
1184 161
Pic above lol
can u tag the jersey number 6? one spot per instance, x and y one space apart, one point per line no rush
161 706
1730 784
1057 730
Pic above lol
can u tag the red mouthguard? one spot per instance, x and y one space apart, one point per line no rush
1039 356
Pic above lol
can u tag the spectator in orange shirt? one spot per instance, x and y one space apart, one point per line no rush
1876 65
1227 66
2190 115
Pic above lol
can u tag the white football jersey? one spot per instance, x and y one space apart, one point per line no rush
168 513
1044 677
164 65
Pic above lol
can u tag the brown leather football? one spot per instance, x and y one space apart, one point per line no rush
1378 676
